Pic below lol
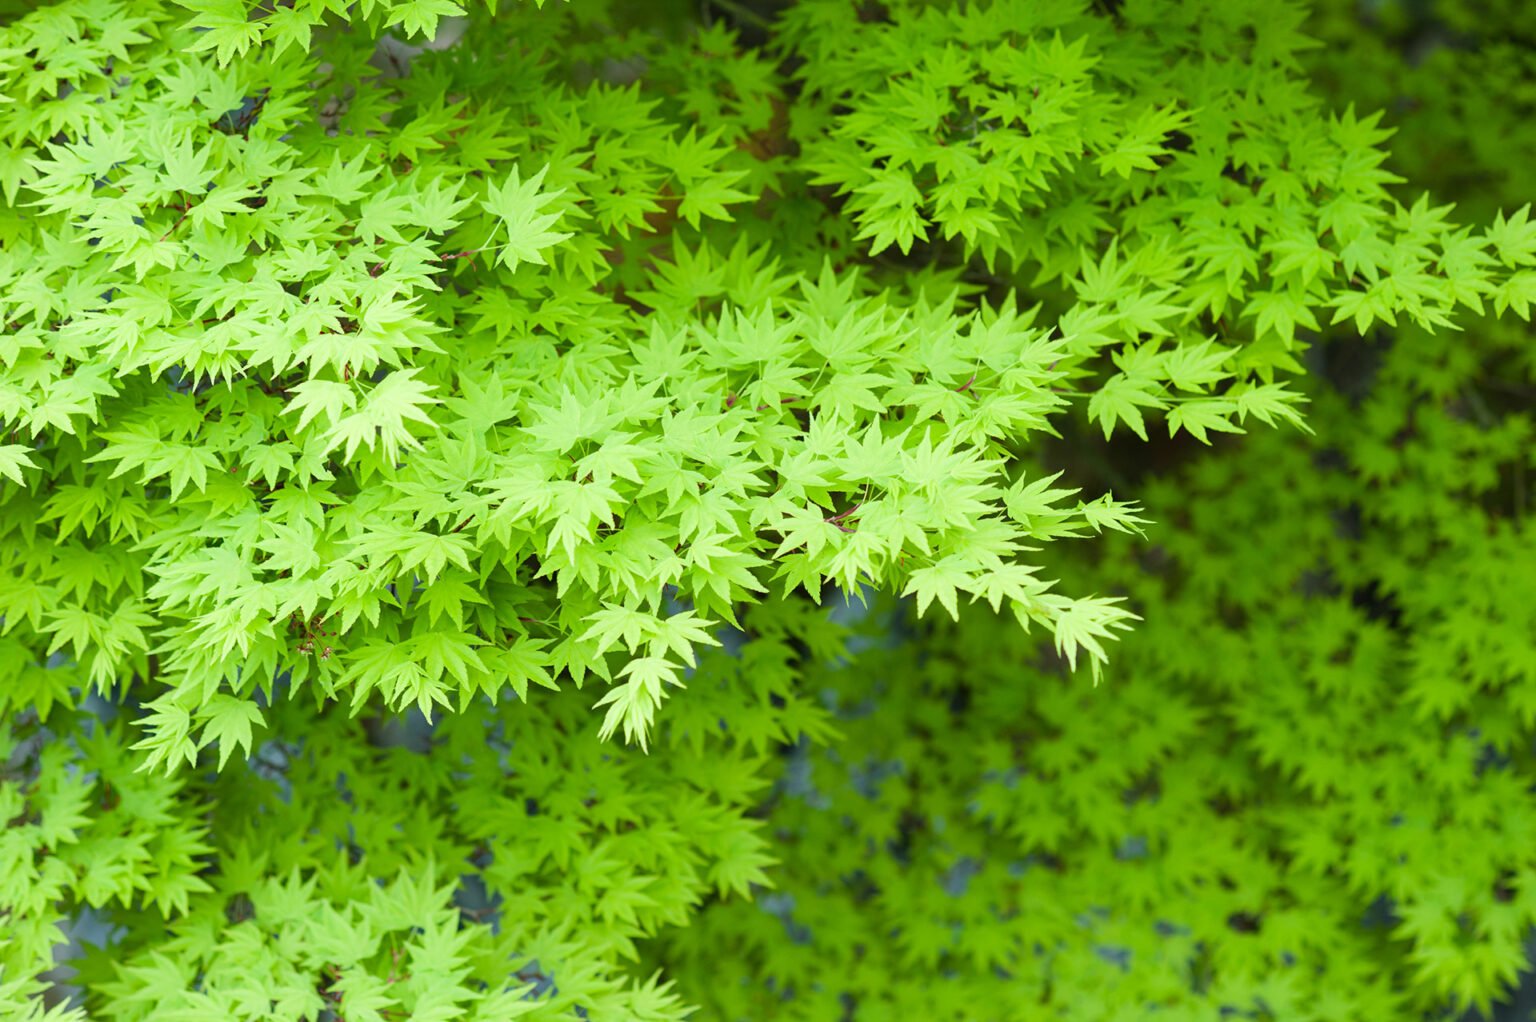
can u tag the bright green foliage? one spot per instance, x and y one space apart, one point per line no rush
426 445
588 848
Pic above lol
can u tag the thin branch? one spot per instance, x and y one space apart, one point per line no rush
743 13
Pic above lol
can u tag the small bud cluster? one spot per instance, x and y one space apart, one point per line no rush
310 634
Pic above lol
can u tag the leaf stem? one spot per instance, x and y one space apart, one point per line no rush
743 13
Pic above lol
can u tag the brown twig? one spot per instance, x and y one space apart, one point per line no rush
838 518
185 209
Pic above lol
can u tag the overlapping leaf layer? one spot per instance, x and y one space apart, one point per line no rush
431 449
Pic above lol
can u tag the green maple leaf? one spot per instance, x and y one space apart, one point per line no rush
1198 416
14 458
1121 398
940 581
228 720
519 206
420 17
